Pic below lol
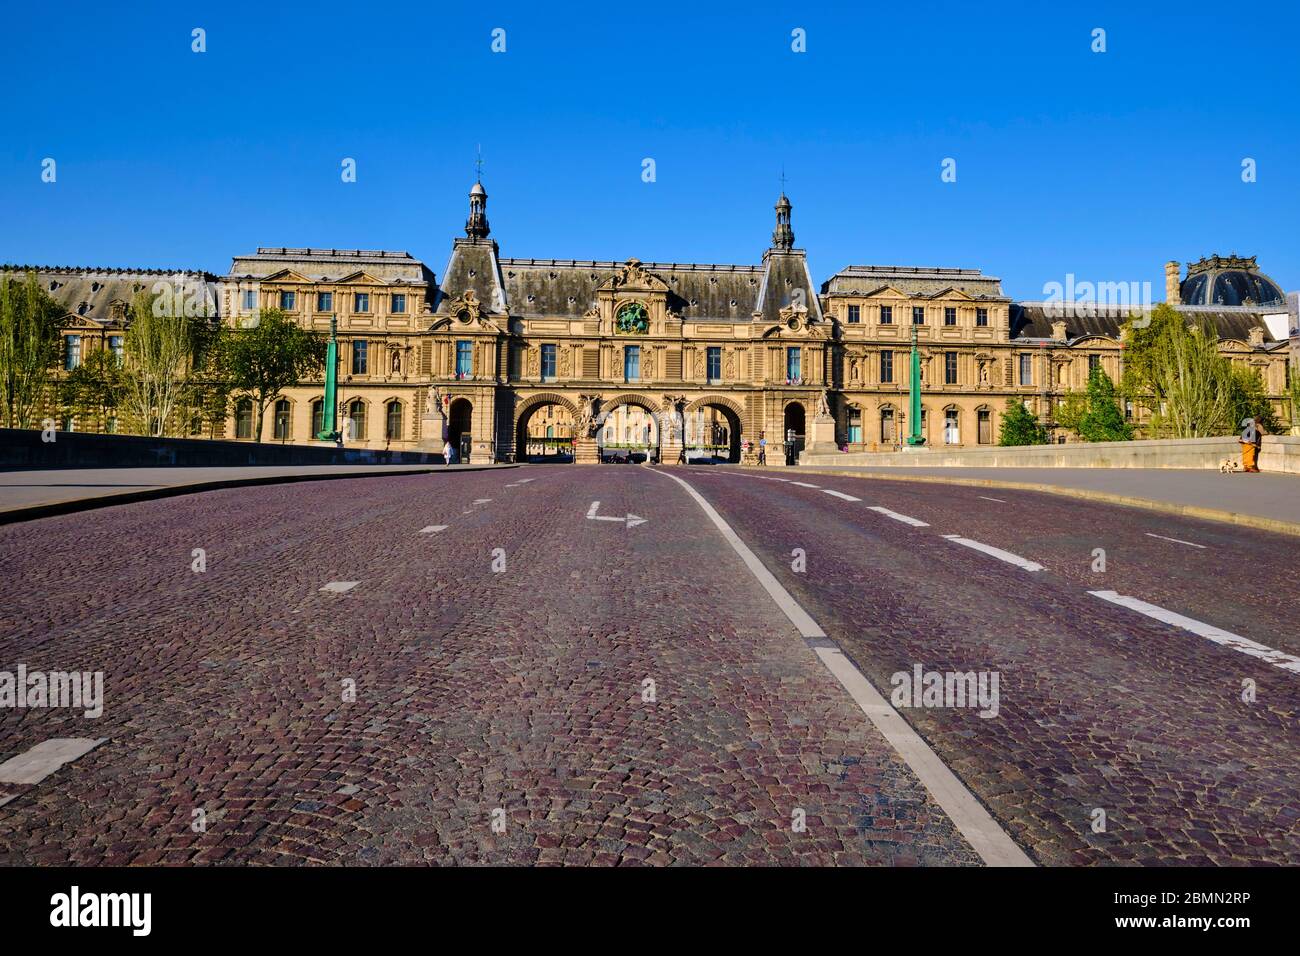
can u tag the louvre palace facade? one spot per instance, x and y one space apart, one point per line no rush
513 358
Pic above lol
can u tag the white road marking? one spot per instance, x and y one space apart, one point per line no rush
433 529
897 517
1245 645
40 761
524 481
481 501
1190 544
968 815
631 519
998 553
804 484
840 494
338 587
987 498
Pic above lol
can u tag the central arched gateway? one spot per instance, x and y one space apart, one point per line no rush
713 429
628 429
793 420
544 429
460 417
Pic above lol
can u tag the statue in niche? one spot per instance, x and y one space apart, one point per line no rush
564 362
730 371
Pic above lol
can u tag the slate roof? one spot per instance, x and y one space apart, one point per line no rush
325 265
914 280
1033 320
89 291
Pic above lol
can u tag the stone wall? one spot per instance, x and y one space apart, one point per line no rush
23 448
1279 454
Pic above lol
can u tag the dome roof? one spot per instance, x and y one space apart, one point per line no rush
478 190
1229 280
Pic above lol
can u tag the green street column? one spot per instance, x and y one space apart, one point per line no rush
328 428
914 396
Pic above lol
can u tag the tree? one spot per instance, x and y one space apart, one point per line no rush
1020 427
161 343
274 354
30 342
1173 368
207 392
96 387
1249 399
1101 419
1295 399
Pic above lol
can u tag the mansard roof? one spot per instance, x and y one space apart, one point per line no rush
331 265
1033 320
928 281
90 291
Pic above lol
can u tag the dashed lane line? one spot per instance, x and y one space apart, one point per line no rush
998 553
804 484
1190 544
839 494
914 522
1245 645
340 587
967 814
433 529
34 765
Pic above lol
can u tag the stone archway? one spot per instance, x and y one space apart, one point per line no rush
647 438
460 426
734 415
553 444
794 422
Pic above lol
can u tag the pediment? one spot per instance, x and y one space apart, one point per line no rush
286 275
74 321
633 277
359 278
953 293
887 292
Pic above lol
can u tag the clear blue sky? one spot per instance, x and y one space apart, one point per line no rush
1104 165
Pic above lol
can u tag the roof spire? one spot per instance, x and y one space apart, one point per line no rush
783 235
476 226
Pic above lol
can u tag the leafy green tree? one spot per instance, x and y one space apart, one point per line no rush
162 342
30 343
1102 419
1295 400
96 387
1020 427
274 354
1250 400
207 391
1174 369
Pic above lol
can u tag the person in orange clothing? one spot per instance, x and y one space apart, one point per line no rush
1251 439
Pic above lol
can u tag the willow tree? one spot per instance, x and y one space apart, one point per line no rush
161 342
30 342
1173 368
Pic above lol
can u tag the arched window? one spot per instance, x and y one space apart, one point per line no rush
244 418
951 427
887 425
984 419
357 420
317 417
282 419
393 421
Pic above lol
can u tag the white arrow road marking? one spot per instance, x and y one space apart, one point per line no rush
840 494
998 553
338 587
433 529
897 517
1208 631
1190 544
631 519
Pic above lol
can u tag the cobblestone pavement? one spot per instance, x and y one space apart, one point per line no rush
1101 708
474 689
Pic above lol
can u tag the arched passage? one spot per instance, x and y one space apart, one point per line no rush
544 428
713 430
793 431
628 429
459 426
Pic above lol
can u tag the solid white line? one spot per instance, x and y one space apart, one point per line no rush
840 494
897 517
804 484
967 814
433 528
1208 631
987 498
1190 544
998 553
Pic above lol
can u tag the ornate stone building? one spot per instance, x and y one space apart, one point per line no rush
511 358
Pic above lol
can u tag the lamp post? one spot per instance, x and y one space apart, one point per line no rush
915 439
329 420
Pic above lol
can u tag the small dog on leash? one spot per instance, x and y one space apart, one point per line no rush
1229 465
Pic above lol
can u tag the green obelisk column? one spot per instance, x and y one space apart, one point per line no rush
328 430
915 438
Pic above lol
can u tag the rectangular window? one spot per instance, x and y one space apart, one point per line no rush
886 367
985 436
250 299
855 426
287 300
361 302
548 361
981 317
793 360
631 363
950 368
1094 363
886 315
399 302
918 315
115 346
360 357
855 314
464 359
887 426
324 301
715 364
71 351
1026 369
949 315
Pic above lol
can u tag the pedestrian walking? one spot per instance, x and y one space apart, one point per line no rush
1252 437
762 448
446 453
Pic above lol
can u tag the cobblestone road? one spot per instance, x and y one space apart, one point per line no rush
519 691
1102 708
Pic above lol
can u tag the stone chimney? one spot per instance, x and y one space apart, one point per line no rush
1172 294
1058 331
1255 337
